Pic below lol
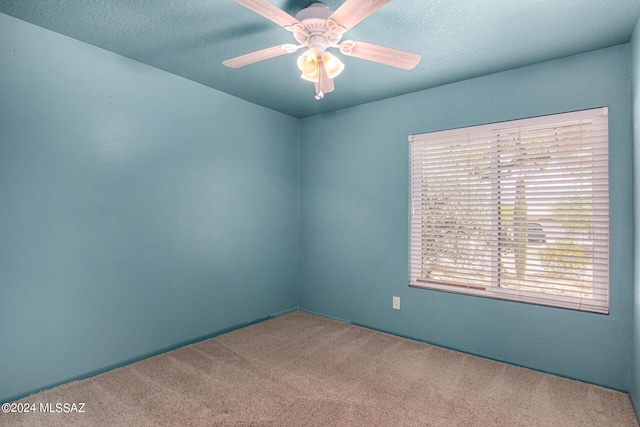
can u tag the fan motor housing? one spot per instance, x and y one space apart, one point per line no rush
315 10
316 34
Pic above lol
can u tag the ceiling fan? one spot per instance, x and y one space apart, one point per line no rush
319 28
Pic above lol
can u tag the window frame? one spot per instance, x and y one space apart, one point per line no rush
490 288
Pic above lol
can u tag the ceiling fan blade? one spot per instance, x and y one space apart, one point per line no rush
325 83
269 11
260 55
327 87
352 12
376 53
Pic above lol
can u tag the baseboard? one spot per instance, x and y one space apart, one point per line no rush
153 353
327 316
283 312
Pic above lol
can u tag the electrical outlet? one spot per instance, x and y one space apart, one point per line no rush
396 303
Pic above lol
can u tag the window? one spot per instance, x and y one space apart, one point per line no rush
516 210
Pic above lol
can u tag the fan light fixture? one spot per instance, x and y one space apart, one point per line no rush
310 64
332 64
318 28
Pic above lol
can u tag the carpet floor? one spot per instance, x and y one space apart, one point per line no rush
305 370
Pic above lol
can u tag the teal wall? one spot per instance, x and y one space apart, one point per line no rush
635 91
354 220
138 210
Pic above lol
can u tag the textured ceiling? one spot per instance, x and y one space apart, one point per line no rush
457 39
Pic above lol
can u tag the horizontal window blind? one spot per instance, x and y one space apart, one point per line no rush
517 210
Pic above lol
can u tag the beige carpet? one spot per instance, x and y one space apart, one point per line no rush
305 370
